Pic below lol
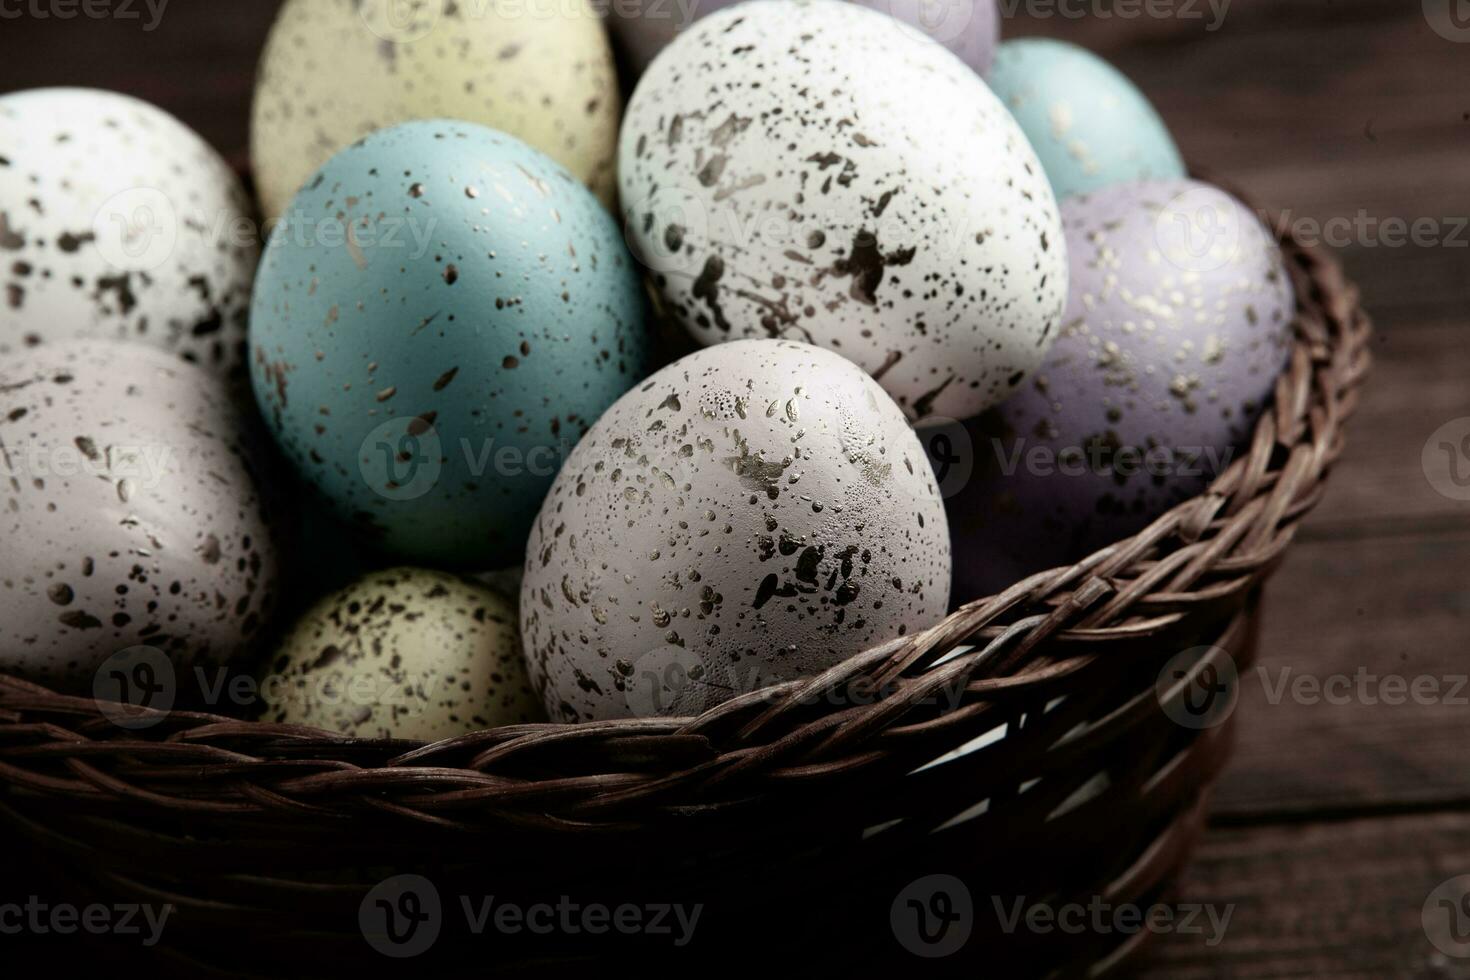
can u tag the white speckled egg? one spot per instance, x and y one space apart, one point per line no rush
336 70
805 169
1179 323
403 653
755 512
118 222
131 513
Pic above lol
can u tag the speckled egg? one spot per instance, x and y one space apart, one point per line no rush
403 653
754 512
1090 125
336 70
131 513
969 28
805 171
1179 323
441 317
118 222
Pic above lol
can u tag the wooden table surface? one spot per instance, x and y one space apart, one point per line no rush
1340 817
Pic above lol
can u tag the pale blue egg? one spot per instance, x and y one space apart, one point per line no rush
440 316
1088 123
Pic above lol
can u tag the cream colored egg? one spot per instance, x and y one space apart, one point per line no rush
404 653
335 71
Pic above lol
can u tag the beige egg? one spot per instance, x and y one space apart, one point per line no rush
335 71
403 653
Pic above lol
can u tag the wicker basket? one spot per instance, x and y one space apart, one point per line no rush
804 820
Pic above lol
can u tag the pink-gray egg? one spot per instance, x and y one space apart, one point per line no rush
969 28
1178 323
755 512
132 511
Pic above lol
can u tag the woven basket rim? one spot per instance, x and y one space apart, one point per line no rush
1195 565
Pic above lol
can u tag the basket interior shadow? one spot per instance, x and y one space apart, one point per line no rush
1051 746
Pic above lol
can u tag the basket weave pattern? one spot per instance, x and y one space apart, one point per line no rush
819 798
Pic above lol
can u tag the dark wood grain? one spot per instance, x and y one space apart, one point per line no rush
1343 900
1350 613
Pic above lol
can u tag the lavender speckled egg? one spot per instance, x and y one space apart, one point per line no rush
440 318
131 510
335 71
969 28
803 170
119 222
403 653
1090 125
1179 323
755 512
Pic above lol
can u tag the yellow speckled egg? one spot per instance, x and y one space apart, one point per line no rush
403 653
335 71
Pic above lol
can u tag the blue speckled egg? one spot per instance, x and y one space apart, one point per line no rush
1089 124
439 317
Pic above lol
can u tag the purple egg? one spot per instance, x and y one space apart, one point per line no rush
1178 322
969 28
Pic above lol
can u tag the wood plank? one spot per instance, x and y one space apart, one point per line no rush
1380 485
1386 607
1340 900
